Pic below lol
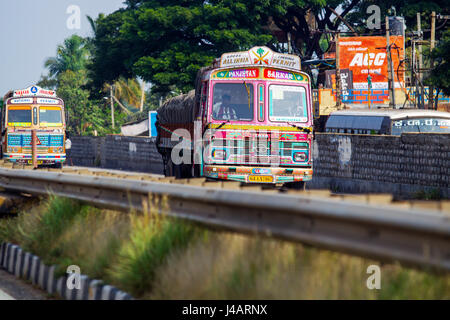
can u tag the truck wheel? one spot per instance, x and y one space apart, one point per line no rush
186 171
169 168
182 171
177 171
195 170
58 165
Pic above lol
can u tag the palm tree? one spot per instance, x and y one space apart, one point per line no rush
128 91
90 41
141 106
72 55
93 23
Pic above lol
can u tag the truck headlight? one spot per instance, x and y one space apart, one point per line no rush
300 157
219 154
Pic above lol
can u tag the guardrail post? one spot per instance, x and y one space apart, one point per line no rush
34 148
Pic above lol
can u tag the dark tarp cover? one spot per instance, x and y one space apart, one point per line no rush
178 109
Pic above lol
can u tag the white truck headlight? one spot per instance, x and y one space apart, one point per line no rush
219 154
300 157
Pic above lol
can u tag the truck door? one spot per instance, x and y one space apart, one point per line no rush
199 125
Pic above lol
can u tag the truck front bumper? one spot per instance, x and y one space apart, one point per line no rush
41 158
258 174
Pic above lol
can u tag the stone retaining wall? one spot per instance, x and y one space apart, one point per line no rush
344 162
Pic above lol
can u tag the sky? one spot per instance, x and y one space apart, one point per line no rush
30 31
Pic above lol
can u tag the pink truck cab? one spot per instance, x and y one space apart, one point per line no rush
251 120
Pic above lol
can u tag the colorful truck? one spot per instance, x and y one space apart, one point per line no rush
33 110
249 119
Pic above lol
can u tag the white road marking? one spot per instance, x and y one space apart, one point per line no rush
5 296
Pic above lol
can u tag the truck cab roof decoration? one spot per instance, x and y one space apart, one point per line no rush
34 91
260 56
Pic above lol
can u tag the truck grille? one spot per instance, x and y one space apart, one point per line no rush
24 140
40 150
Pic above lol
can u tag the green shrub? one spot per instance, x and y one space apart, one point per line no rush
151 241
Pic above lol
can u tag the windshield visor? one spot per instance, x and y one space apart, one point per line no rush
233 101
287 104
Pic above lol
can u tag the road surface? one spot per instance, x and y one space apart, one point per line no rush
12 288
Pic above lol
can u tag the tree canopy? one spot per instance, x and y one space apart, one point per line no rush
72 55
440 75
69 76
165 43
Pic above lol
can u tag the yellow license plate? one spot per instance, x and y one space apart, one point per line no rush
39 162
262 179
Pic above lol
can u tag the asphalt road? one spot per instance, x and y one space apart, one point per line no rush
12 288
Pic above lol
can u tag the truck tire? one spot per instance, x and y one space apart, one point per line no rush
169 168
195 171
182 171
58 165
177 171
186 171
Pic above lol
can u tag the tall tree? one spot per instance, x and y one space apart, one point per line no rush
166 42
83 114
440 75
127 91
305 21
72 55
75 98
47 82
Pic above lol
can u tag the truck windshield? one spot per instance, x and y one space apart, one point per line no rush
19 116
231 101
421 125
287 103
50 115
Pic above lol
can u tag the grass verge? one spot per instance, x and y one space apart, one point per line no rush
154 257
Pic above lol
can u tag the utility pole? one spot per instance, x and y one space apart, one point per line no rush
289 42
414 79
338 73
433 34
419 87
390 66
112 104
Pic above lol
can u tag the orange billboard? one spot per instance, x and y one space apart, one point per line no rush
368 55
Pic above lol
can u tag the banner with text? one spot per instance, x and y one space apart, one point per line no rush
368 55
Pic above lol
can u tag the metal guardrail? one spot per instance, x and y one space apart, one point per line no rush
387 233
